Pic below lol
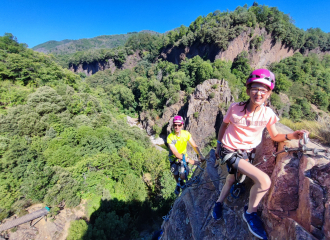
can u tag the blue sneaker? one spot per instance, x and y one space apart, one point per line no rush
255 224
217 211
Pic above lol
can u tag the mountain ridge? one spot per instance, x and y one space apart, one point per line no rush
67 46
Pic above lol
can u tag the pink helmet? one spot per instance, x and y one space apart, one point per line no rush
263 76
178 119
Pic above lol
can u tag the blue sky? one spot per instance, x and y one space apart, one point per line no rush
35 22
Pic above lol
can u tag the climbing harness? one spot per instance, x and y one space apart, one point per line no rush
231 159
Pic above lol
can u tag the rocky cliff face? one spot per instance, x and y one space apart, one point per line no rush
296 206
268 52
203 112
91 68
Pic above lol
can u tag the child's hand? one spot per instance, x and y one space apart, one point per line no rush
299 134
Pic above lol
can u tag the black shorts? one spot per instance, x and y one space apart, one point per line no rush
177 167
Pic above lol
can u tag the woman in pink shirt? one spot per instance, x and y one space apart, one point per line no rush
239 134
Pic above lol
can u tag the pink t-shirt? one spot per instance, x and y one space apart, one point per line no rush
243 132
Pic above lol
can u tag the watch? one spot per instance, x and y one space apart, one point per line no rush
286 137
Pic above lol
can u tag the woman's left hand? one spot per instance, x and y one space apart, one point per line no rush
299 134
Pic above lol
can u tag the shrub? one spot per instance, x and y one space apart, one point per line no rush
77 230
157 129
276 101
196 114
282 83
295 112
212 95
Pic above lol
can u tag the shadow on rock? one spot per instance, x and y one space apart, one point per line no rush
115 219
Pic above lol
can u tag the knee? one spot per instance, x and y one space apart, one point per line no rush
265 182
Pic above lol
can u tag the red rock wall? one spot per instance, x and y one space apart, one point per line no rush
268 53
92 68
296 206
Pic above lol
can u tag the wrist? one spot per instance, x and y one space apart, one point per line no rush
287 137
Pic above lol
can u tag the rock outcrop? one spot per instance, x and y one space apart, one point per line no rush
295 207
270 51
203 112
93 67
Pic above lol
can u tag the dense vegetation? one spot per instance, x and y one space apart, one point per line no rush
216 28
151 87
61 141
148 44
221 27
71 46
306 80
23 69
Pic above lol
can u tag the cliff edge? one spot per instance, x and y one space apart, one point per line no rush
295 207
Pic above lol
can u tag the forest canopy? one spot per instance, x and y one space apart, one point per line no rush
62 141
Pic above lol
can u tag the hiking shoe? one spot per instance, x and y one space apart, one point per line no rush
177 189
255 224
217 210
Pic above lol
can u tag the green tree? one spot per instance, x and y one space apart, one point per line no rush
241 67
321 99
295 112
282 83
77 230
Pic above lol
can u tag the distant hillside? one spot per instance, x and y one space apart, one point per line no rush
68 46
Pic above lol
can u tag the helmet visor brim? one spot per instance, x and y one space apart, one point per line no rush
263 81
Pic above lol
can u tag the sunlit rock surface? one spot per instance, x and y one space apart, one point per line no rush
296 206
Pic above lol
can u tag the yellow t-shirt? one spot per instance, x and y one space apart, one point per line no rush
180 143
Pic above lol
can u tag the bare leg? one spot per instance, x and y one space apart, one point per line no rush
230 179
261 183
